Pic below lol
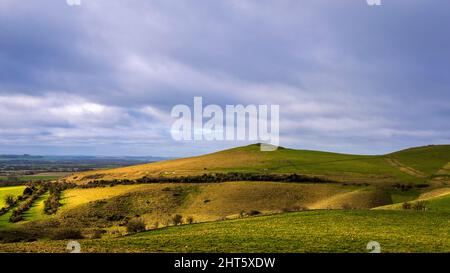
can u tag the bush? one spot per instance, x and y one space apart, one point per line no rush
420 205
135 225
28 191
254 213
66 233
10 200
177 220
97 234
15 218
406 205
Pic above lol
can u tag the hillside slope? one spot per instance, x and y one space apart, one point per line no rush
435 200
108 207
313 231
416 165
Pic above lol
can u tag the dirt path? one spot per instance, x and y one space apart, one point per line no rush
444 170
405 169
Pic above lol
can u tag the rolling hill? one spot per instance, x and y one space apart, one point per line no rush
416 165
364 197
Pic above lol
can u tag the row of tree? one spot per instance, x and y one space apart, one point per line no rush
30 195
212 178
52 203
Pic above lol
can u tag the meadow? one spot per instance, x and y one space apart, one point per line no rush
311 231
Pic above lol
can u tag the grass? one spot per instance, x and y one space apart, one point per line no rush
341 167
107 207
4 221
428 159
206 202
313 231
436 200
36 212
76 197
5 191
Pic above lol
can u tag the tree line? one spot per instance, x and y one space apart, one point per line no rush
212 178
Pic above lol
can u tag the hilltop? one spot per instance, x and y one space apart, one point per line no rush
429 164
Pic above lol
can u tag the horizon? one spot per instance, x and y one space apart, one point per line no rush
235 147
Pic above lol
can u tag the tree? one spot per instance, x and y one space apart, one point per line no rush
28 191
10 200
136 225
177 220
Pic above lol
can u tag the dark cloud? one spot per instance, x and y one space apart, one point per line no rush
101 78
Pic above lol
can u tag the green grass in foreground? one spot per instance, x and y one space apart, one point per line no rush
314 231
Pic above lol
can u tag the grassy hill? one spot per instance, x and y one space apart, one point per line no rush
313 231
436 200
158 203
418 165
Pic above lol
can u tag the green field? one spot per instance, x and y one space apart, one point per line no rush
314 231
5 191
32 178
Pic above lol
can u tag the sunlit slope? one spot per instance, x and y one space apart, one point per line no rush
414 165
107 207
435 200
13 191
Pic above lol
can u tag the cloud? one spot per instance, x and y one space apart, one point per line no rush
348 77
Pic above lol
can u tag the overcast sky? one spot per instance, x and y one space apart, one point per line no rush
102 78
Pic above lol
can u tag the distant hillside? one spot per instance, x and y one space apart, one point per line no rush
416 165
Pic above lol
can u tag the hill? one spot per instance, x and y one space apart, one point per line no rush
312 231
416 165
109 207
435 200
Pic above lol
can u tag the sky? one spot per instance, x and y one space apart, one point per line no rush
101 78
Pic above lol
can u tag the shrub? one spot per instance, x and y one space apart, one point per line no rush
177 220
420 205
254 213
10 200
27 191
135 225
15 218
66 233
241 214
97 234
406 205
